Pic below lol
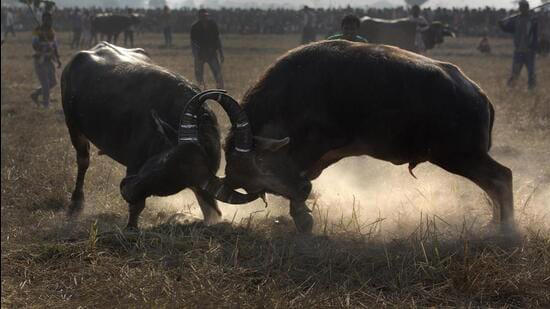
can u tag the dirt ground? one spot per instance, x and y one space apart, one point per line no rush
381 237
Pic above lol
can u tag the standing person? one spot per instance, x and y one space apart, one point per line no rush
10 23
350 26
129 32
76 20
309 22
421 25
166 22
86 29
45 48
524 27
205 44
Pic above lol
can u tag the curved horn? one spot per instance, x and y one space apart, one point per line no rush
188 130
239 119
221 192
241 128
189 133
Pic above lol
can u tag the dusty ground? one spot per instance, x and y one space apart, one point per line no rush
381 238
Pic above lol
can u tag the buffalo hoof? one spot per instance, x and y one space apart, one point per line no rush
504 234
304 222
509 230
75 208
131 228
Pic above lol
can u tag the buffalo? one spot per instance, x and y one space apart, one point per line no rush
111 25
401 32
150 120
333 99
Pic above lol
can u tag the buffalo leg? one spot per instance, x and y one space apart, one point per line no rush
135 210
301 215
210 210
82 147
494 178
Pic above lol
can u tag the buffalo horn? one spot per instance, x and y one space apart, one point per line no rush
189 133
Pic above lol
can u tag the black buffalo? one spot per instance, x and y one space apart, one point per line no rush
111 25
401 32
137 113
329 100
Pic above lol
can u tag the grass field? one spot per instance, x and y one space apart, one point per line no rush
382 238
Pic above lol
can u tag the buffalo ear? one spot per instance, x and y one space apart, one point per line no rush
270 144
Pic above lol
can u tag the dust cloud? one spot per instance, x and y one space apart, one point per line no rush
365 191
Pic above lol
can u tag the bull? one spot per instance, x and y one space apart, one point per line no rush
333 99
137 113
401 32
111 25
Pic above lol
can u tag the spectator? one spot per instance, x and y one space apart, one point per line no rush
10 23
86 29
421 25
308 33
206 43
129 32
350 26
484 46
166 22
76 20
524 27
45 47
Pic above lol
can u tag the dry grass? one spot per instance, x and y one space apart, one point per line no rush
381 238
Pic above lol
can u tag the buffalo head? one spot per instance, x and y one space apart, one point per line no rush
162 174
259 164
135 18
435 34
266 168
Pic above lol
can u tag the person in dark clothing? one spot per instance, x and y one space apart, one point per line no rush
524 27
309 24
129 32
484 46
166 23
350 26
206 44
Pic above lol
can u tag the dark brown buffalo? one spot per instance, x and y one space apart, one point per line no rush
111 25
401 32
333 99
138 114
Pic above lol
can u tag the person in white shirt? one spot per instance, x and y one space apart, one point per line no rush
421 25
10 24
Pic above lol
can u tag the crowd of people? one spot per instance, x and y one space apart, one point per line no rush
468 22
205 31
